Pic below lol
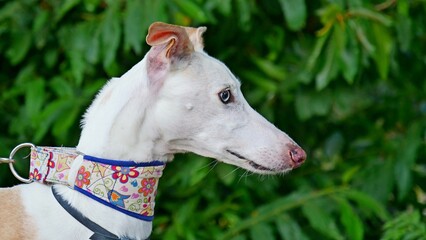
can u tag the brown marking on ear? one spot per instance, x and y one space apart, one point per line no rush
15 224
174 37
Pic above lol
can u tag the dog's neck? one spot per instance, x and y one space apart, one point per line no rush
116 127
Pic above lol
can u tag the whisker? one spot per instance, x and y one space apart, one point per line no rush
244 175
235 169
211 164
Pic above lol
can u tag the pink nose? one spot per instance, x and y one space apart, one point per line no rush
297 155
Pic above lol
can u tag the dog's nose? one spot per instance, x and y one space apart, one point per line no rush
297 155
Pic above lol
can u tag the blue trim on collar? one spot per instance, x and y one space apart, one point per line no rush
133 214
124 163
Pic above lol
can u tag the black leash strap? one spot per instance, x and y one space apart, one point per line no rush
99 233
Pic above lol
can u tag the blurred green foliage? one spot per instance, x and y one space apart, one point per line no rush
345 79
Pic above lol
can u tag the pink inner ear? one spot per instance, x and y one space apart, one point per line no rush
175 37
162 37
166 41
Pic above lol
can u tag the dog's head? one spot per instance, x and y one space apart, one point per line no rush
200 108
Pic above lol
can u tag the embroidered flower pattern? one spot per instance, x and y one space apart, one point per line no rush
51 164
35 175
34 156
148 186
83 177
129 189
146 207
124 173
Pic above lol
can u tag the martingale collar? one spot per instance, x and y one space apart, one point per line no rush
126 186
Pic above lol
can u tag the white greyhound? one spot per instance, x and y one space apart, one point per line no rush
177 99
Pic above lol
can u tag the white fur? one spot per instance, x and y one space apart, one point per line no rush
129 120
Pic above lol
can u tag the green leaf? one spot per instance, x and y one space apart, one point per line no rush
91 5
404 28
404 183
61 87
244 14
303 110
349 174
378 187
276 208
34 97
261 81
289 229
349 56
334 144
371 15
92 46
408 226
312 104
192 10
134 25
350 220
270 69
362 37
110 34
51 57
354 3
239 237
294 13
9 9
262 231
367 204
330 67
183 214
21 43
77 66
405 160
403 8
65 120
383 47
223 6
64 7
316 52
48 116
328 13
321 220
81 44
41 20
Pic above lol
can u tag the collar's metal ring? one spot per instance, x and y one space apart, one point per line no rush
12 169
6 160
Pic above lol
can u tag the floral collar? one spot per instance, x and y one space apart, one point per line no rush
125 186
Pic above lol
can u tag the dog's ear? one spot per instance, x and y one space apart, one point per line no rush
196 37
170 45
171 39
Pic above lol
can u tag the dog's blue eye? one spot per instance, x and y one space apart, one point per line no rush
225 96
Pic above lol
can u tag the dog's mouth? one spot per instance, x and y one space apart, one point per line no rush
250 162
